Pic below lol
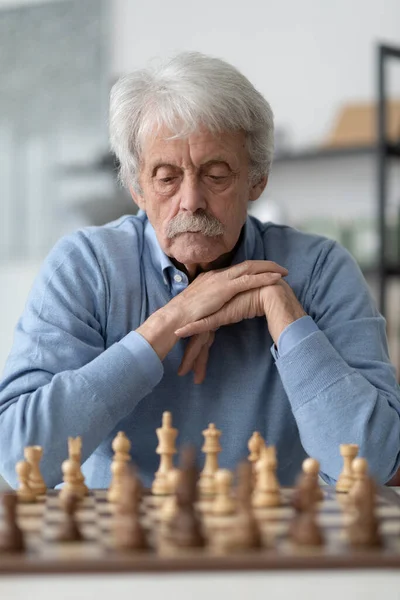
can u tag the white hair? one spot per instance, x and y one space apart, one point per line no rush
188 91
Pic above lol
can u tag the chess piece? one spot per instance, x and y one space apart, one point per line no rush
70 469
266 493
249 533
311 470
211 448
223 504
75 453
184 529
169 506
69 530
255 446
304 529
346 479
121 447
129 533
33 455
363 529
24 492
166 435
119 472
360 475
11 536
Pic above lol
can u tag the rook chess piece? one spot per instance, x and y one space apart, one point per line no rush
33 455
75 453
24 492
346 479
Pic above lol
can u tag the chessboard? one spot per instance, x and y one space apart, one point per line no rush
40 522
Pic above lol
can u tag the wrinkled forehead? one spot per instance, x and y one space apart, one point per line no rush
200 146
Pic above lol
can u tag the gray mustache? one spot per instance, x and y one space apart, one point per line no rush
202 222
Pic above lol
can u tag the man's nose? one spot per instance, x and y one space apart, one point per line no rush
192 198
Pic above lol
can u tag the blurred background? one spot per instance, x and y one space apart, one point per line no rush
316 63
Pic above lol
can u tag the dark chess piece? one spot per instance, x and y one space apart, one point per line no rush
363 530
305 531
304 495
128 530
69 530
11 536
184 529
249 536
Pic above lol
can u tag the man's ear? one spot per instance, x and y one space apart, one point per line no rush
257 188
137 198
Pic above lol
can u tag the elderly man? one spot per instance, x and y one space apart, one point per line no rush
194 307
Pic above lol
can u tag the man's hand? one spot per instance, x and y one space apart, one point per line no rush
206 295
277 302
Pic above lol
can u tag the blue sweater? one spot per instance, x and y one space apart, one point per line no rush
77 366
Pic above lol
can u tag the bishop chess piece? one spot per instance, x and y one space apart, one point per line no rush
346 479
255 445
75 453
24 492
184 529
33 455
166 435
211 448
11 536
119 466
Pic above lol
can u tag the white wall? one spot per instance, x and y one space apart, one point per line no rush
306 57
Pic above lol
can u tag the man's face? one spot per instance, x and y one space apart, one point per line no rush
195 193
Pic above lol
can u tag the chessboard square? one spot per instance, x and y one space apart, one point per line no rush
29 523
30 510
388 511
327 519
100 495
63 551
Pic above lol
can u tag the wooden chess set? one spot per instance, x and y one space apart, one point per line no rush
213 520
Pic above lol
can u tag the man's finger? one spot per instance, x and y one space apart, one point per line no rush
200 365
203 325
254 267
191 352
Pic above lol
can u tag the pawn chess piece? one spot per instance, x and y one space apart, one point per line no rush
184 529
360 476
304 529
33 455
166 435
223 504
75 453
346 479
129 533
311 470
249 535
169 506
363 529
24 492
11 536
211 448
266 492
69 530
70 470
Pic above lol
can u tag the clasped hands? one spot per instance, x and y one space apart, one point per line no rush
254 288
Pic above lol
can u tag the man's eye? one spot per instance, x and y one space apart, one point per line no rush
217 177
167 179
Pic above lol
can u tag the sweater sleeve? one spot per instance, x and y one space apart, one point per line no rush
339 380
60 379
